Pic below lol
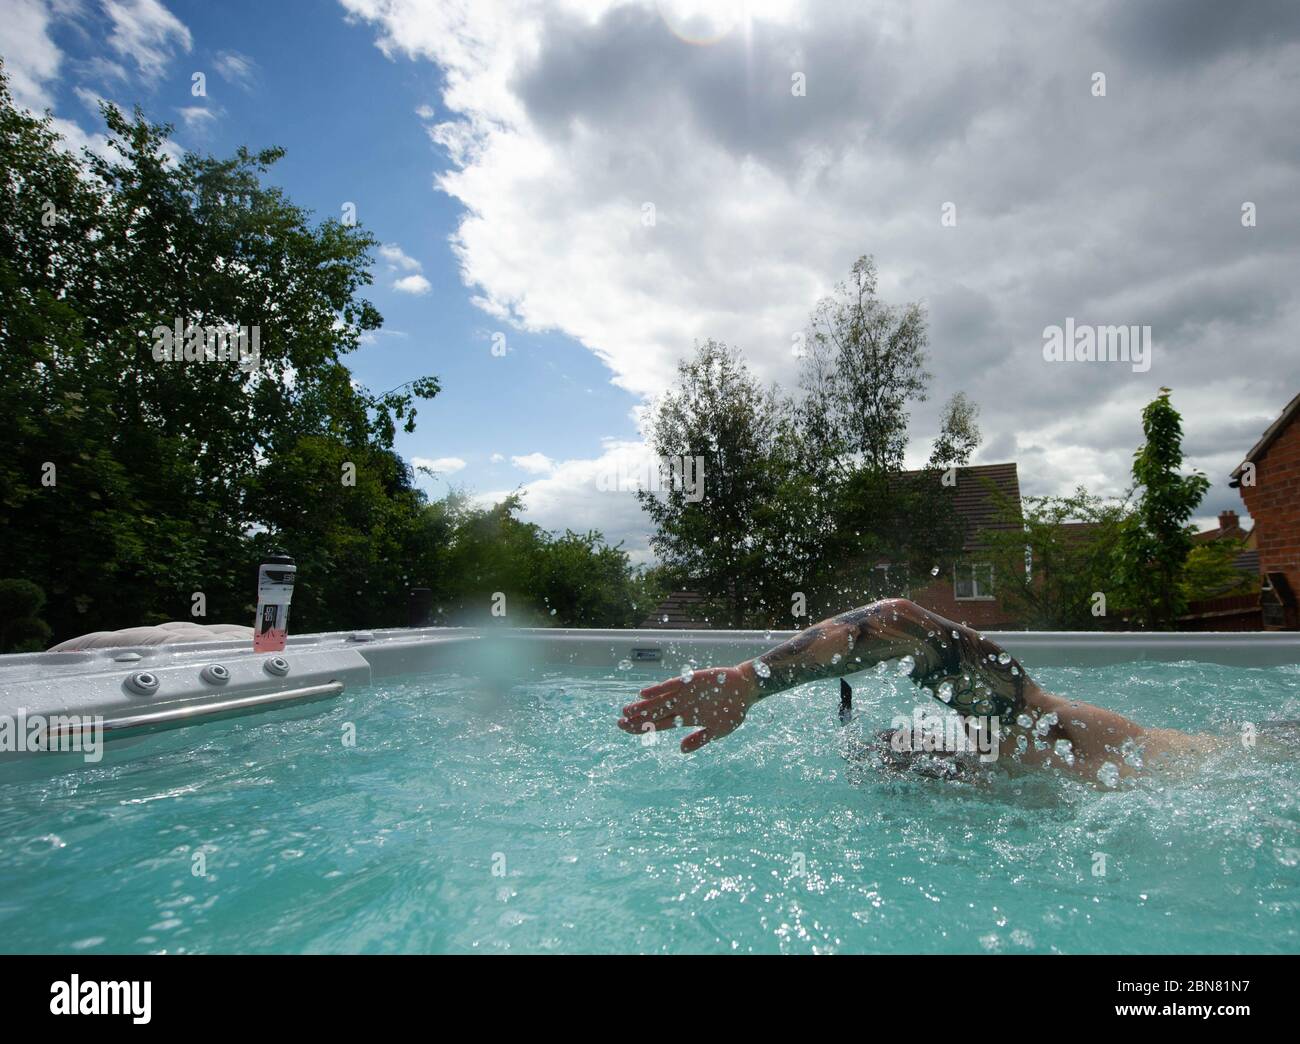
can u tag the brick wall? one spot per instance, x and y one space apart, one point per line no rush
982 614
1274 504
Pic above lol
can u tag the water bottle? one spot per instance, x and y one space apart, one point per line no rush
275 578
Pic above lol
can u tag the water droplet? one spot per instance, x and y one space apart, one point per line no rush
624 665
721 677
934 571
1108 774
906 665
945 692
552 612
762 669
664 618
1004 658
1064 750
687 675
1024 721
836 658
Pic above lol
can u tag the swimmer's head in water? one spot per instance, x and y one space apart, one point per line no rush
897 755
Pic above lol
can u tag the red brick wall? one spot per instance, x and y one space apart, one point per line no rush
982 614
1274 504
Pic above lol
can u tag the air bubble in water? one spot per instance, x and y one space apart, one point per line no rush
1064 750
762 669
624 665
1024 721
1108 774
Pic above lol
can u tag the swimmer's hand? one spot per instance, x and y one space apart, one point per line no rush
716 699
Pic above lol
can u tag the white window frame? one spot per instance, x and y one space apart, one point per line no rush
975 586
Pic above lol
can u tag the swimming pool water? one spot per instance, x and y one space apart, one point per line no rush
519 818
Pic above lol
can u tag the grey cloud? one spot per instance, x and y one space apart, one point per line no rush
1179 34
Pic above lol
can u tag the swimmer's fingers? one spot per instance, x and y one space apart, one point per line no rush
662 688
655 706
695 741
643 725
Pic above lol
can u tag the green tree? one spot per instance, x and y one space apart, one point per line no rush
21 626
723 539
877 355
1211 572
1051 555
863 369
1155 540
959 433
128 483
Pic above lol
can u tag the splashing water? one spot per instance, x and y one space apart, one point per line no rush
530 823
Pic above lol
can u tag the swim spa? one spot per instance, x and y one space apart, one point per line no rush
459 791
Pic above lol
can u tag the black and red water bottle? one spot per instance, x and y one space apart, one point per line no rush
275 577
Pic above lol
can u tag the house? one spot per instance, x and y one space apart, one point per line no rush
963 592
1230 609
1269 482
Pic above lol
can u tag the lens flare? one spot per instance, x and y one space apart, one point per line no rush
701 22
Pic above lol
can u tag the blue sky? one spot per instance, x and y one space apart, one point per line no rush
316 84
506 151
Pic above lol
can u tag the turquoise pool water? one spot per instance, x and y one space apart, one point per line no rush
521 819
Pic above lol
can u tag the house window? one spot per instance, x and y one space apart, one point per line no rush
973 580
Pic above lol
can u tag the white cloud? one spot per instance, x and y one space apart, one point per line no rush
398 258
197 117
561 120
90 99
147 33
496 458
440 465
597 493
32 59
425 112
236 68
416 285
536 463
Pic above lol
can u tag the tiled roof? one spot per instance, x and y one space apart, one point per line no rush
683 609
974 498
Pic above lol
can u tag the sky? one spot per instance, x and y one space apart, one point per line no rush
571 195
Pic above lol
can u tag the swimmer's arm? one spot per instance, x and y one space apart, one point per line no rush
717 698
954 664
851 642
